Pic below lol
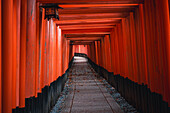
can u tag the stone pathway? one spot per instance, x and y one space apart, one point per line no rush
85 93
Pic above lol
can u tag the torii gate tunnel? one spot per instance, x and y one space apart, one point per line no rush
125 41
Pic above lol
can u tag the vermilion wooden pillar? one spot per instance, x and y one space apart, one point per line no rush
14 52
164 8
128 49
103 53
65 56
99 52
133 44
59 51
54 77
31 48
18 16
116 52
7 35
112 47
0 60
141 12
93 52
162 63
73 50
140 47
76 49
107 53
37 77
147 41
46 53
23 53
88 51
70 52
96 50
49 53
124 32
156 45
79 48
66 62
151 40
42 49
120 44
166 33
63 53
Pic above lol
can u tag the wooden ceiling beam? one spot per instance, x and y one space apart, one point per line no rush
86 23
70 17
88 20
88 27
92 2
92 16
95 5
95 10
84 38
101 33
114 20
82 43
83 35
86 31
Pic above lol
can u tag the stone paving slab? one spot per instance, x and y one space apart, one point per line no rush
92 109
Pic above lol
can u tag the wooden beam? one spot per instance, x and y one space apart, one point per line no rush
82 43
95 5
84 38
100 19
102 33
88 21
95 10
98 8
93 31
83 35
89 27
92 16
92 2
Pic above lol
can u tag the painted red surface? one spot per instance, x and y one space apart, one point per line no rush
7 35
131 40
80 48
